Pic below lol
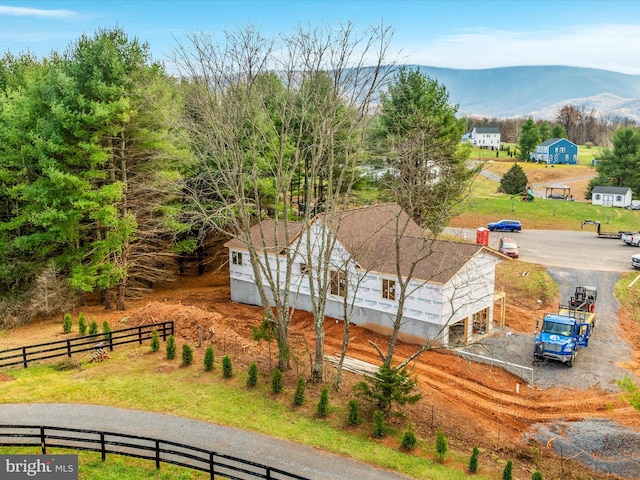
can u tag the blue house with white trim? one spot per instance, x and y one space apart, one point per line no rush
556 151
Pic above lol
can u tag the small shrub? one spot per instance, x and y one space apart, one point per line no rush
67 323
473 461
298 397
354 412
170 348
227 370
441 445
507 473
187 355
82 324
323 403
66 364
106 329
208 359
155 341
93 327
536 476
252 377
409 438
276 381
379 428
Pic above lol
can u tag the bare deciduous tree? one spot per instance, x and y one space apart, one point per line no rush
262 114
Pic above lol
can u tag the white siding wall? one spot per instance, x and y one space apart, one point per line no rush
428 309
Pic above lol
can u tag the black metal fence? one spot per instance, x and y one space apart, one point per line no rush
159 451
67 348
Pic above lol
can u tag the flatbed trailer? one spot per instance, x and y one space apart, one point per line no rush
616 235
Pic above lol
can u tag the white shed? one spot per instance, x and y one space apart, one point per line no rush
611 196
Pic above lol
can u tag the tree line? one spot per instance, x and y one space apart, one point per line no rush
576 123
112 169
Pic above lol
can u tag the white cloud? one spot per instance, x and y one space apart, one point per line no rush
36 12
608 47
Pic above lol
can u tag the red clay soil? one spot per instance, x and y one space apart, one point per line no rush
477 402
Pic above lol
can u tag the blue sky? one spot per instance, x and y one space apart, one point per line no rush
458 34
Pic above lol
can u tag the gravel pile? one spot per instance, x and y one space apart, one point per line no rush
602 445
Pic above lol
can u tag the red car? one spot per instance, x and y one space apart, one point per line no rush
508 246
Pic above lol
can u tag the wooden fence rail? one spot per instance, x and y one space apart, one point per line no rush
159 451
66 348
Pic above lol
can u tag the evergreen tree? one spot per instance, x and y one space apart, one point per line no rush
537 476
155 341
409 438
93 327
106 329
227 369
323 403
441 445
298 397
473 461
529 139
419 133
276 381
67 323
621 164
82 324
545 131
208 359
187 355
514 181
170 347
252 377
354 412
388 386
379 427
558 131
507 473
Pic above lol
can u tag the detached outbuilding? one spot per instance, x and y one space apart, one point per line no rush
611 196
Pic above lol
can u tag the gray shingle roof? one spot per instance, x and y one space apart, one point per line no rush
614 190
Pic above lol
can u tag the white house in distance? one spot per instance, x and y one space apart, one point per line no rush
483 137
451 287
611 196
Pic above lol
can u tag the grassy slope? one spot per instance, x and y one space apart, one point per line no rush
210 398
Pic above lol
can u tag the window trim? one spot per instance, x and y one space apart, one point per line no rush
388 289
337 283
236 258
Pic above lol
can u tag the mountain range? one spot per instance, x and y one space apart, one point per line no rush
539 91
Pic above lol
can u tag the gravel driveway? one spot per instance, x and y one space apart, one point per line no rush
601 444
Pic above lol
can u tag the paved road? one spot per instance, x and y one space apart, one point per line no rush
292 457
565 249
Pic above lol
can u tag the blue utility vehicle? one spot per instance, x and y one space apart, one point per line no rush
564 333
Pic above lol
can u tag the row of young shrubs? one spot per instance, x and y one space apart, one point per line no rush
409 438
84 327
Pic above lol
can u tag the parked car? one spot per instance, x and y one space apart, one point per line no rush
508 246
634 205
505 226
635 261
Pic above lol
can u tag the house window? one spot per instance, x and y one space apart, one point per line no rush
388 289
338 282
597 196
304 269
561 149
618 198
236 258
